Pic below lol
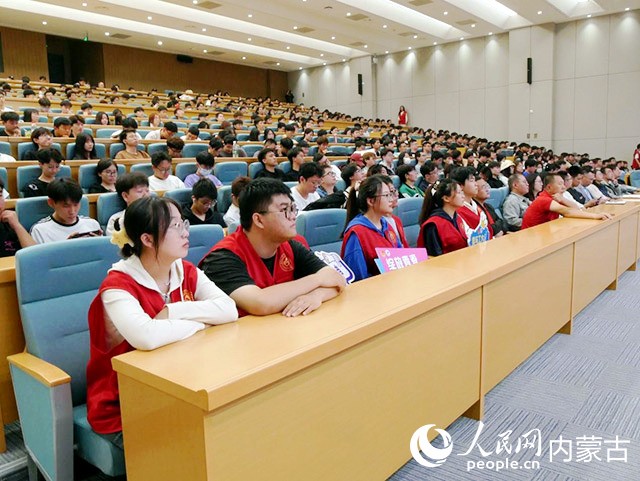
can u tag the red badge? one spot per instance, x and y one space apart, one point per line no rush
187 295
285 263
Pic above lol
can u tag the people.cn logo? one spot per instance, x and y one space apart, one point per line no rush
424 453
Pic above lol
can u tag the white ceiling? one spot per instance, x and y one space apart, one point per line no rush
289 34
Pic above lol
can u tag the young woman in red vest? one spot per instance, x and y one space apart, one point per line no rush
151 298
367 226
442 230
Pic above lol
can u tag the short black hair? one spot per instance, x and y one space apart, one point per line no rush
205 158
204 188
61 190
130 180
257 196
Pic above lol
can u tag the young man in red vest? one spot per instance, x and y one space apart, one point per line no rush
261 266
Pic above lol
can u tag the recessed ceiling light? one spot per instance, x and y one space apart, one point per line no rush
159 42
384 26
366 46
204 51
106 34
348 14
288 48
446 13
295 27
250 15
539 12
249 39
415 36
149 18
473 25
244 58
589 16
204 29
44 22
333 38
322 55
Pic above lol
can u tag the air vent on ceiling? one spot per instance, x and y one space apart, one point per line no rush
407 34
357 44
214 52
357 17
466 22
270 62
420 3
209 5
305 29
119 36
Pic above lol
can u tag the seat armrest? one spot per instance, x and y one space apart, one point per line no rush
42 371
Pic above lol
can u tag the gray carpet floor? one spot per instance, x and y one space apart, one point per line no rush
583 389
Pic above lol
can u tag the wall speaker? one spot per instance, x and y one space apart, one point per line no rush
529 70
359 84
184 59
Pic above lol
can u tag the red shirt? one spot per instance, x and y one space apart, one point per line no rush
539 211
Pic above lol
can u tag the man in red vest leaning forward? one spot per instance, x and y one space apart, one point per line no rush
262 266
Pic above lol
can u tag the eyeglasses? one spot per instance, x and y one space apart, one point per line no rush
181 226
289 211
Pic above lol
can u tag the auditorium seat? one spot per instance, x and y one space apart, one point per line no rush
5 148
322 228
251 149
49 379
101 151
24 147
226 172
201 239
107 205
408 210
87 175
181 196
146 169
154 148
496 199
184 169
29 173
31 210
191 150
224 199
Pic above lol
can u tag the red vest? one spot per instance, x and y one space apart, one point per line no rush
369 240
283 269
452 239
103 399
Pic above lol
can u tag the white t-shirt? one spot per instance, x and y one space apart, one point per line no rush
170 183
49 230
300 201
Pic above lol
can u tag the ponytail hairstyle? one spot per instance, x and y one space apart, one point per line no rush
148 215
369 189
434 196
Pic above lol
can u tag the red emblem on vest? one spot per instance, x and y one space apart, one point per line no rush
187 295
285 263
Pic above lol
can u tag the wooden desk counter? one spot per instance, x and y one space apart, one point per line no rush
278 398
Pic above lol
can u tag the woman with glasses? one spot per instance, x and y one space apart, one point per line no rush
442 230
149 299
367 225
107 172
